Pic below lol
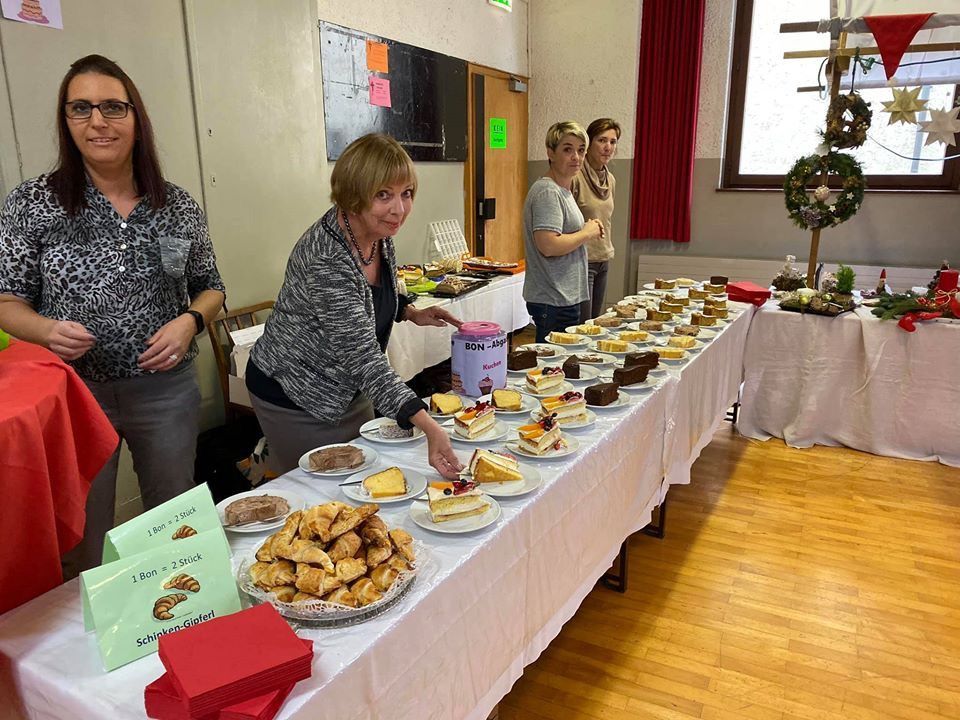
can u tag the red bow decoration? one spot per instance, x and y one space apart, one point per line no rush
909 320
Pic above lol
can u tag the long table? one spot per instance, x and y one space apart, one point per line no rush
853 380
484 605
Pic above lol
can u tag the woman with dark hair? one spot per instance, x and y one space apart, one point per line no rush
593 188
111 267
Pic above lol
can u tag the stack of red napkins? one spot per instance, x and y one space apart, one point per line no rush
747 292
237 667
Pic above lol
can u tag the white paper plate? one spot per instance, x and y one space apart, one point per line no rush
293 500
630 348
370 430
420 514
558 390
558 351
573 329
370 456
572 446
527 404
621 402
514 488
416 485
591 419
498 431
467 402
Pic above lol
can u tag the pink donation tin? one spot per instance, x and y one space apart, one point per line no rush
478 358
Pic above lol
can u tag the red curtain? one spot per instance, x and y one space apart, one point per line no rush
671 41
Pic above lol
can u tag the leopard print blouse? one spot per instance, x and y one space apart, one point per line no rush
121 279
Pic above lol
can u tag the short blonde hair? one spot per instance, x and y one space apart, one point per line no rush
368 164
558 130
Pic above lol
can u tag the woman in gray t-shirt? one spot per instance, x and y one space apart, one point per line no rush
554 235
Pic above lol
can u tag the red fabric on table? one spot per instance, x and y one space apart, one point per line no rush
893 34
54 439
748 292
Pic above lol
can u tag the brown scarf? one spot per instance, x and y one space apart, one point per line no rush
598 181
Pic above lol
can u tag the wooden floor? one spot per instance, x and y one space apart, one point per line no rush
816 584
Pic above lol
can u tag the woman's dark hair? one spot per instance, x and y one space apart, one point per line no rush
68 179
601 125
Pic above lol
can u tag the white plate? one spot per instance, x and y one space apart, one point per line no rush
467 402
573 329
416 485
653 286
557 349
558 390
676 361
420 514
622 401
591 419
540 363
630 348
697 346
665 331
588 374
370 456
293 500
527 404
370 430
646 386
497 431
584 340
513 488
572 446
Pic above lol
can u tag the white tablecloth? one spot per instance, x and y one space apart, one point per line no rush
853 380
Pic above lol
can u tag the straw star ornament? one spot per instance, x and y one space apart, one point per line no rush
905 106
942 127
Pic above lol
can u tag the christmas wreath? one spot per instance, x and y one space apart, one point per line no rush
848 119
815 212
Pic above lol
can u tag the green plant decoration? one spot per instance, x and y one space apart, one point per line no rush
845 279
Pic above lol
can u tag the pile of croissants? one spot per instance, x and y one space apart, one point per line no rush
333 552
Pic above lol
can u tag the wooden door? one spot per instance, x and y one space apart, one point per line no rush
496 169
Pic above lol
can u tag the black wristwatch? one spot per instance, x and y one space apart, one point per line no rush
199 319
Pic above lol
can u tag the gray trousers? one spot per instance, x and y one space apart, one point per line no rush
157 416
597 283
290 433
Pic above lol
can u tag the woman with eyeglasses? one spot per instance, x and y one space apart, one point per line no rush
111 267
319 370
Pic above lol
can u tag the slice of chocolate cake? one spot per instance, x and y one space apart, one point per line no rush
719 280
630 375
521 359
571 367
601 394
648 360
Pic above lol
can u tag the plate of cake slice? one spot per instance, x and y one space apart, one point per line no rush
508 401
454 507
258 510
445 405
605 396
337 459
543 440
617 348
385 430
568 410
500 474
384 485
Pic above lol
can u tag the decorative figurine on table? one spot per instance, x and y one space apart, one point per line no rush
941 300
789 278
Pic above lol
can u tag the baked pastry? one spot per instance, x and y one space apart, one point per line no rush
562 338
670 352
703 320
403 543
388 483
255 509
540 436
691 330
349 569
341 457
695 294
567 408
715 289
342 596
608 322
521 359
315 522
630 375
542 380
626 311
344 546
571 367
509 400
660 315
384 576
365 592
678 300
489 466
661 284
719 280
647 359
474 421
445 403
389 430
681 341
685 282
601 394
284 593
543 351
452 285
714 311
590 359
302 597
633 335
715 302
589 329
612 346
455 500
651 325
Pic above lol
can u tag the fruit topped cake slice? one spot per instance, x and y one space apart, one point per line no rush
474 421
542 380
489 466
541 436
455 500
567 408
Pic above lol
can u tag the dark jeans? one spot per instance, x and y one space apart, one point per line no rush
597 282
548 318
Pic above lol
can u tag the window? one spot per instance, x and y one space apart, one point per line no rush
770 125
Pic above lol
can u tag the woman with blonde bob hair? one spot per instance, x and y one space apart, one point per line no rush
319 369
555 283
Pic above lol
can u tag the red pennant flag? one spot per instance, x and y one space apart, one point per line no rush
893 34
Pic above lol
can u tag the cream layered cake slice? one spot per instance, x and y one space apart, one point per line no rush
567 408
474 421
542 380
455 500
488 466
541 436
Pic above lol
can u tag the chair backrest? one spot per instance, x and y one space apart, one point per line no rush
219 330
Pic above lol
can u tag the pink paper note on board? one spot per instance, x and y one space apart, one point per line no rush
380 92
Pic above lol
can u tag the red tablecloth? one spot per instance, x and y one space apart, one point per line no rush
54 438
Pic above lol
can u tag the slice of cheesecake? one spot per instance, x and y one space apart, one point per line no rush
539 437
389 483
474 421
542 380
488 466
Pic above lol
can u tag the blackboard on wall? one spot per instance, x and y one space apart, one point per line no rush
428 95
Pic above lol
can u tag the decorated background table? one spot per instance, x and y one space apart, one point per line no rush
54 438
855 381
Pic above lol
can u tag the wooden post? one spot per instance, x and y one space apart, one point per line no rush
814 249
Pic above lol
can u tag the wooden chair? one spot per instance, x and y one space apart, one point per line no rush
219 330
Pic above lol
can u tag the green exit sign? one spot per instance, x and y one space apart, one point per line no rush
498 133
503 4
